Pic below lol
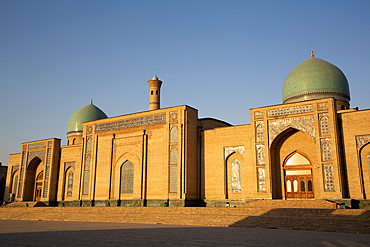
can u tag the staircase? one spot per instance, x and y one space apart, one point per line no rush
334 220
290 204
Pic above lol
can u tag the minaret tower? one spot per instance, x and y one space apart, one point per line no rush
154 93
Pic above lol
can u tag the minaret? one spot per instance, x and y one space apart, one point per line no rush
154 93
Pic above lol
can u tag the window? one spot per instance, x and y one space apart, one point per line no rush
309 185
303 186
173 157
288 186
260 156
151 92
70 183
127 178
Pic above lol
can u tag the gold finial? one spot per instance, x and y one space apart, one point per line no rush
312 52
155 78
91 101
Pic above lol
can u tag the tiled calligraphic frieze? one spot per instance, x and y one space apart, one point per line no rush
130 123
306 124
37 145
33 154
361 140
290 110
229 150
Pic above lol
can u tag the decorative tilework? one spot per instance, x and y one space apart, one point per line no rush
131 123
259 131
258 115
362 140
88 144
173 116
86 181
235 177
23 158
260 154
173 157
306 124
22 174
69 164
127 178
173 179
37 145
47 173
89 129
20 190
368 162
322 106
324 125
50 144
46 188
261 180
15 185
87 162
33 154
289 110
48 158
229 150
24 147
325 149
173 133
70 183
14 168
328 178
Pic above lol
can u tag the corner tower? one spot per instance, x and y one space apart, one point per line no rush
154 93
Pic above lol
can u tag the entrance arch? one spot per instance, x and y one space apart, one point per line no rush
33 179
283 147
298 177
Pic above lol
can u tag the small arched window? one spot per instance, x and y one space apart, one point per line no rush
173 156
288 186
70 183
295 186
74 141
173 135
303 186
309 185
151 92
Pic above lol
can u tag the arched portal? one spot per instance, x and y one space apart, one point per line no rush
33 172
298 177
282 153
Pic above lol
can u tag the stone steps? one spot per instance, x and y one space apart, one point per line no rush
290 204
340 220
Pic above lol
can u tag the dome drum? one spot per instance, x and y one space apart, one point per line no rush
317 95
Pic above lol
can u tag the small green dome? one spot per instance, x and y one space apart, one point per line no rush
315 79
85 114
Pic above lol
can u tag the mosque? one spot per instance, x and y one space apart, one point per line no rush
312 146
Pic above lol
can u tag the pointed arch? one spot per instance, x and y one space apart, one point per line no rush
174 134
136 176
233 177
127 178
324 125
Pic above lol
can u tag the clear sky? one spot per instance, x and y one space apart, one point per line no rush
220 57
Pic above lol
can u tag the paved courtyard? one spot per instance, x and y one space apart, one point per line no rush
63 233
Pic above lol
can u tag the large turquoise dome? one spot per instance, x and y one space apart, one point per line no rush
315 79
85 114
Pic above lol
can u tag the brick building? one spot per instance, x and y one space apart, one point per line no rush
313 146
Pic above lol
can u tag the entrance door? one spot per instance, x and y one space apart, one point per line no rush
38 191
299 186
38 187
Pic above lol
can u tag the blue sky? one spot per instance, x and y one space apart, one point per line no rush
220 57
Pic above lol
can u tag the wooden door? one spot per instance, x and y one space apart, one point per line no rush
38 191
299 186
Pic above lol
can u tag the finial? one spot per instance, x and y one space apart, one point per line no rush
155 78
312 52
91 101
